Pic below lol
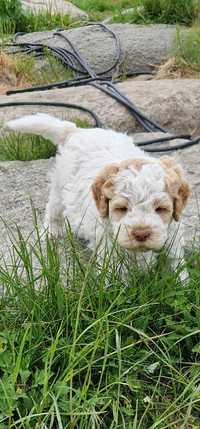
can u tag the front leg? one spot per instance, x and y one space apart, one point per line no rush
53 222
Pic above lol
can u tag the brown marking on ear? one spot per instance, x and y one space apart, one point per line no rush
181 200
176 185
102 188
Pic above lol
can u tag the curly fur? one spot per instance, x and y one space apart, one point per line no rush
105 185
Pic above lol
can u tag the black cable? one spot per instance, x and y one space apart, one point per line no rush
117 46
54 104
165 139
64 84
147 124
180 146
110 90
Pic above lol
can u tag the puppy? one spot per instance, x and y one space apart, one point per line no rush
106 186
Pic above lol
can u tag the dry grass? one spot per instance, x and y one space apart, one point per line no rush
18 71
11 76
176 69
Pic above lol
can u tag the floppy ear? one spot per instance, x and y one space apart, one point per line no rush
177 185
102 188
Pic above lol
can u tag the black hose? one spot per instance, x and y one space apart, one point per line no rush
98 123
180 146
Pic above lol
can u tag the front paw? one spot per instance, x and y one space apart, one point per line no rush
52 230
184 277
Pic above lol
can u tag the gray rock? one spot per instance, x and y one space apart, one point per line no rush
56 6
23 185
174 104
143 47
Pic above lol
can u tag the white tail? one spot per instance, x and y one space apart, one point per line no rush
44 125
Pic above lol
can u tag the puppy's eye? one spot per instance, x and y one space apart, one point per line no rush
120 210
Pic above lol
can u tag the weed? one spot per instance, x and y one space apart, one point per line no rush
25 148
13 19
24 71
45 21
102 9
176 68
170 11
11 16
161 11
187 48
30 147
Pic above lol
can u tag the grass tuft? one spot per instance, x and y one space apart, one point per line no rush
25 148
161 11
14 19
83 347
21 70
30 147
176 68
11 16
187 48
45 20
171 11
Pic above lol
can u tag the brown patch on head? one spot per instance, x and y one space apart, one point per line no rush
176 185
102 188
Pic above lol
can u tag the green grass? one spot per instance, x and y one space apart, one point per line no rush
145 11
25 148
187 48
103 5
21 70
170 11
11 16
81 347
13 19
52 70
34 22
30 147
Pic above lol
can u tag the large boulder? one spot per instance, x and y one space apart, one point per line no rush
174 104
142 47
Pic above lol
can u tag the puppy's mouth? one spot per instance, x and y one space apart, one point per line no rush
142 246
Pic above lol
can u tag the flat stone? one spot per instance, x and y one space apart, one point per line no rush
174 104
54 7
142 46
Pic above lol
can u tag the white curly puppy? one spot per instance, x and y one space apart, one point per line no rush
104 185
